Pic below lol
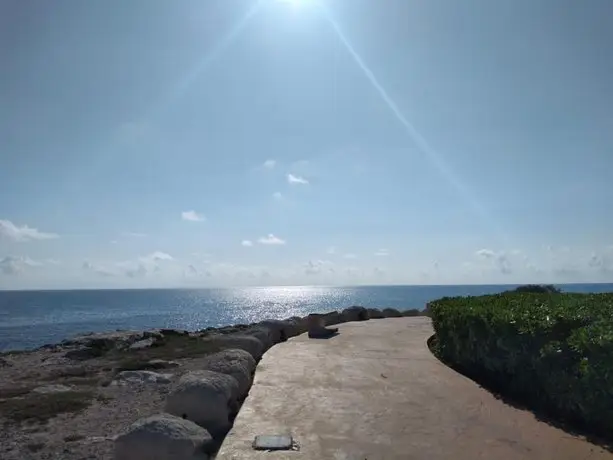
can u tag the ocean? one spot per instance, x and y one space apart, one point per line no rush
29 319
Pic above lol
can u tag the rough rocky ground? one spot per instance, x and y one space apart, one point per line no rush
33 425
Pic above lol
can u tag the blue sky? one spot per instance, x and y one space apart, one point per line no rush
235 142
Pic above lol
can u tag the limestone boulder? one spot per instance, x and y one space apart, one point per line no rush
173 332
141 377
375 313
236 363
391 313
355 314
94 345
263 334
161 364
300 325
52 389
139 345
249 343
163 437
206 398
281 330
332 318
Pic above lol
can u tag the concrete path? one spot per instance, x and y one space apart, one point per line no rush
376 392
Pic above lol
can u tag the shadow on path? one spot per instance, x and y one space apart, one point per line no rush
542 414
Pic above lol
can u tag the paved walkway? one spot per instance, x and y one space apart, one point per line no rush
376 392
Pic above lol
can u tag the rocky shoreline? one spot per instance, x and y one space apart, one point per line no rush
139 394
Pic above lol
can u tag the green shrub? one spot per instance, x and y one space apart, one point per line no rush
538 289
553 351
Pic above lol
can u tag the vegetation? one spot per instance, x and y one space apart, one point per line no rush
551 351
172 347
538 289
42 407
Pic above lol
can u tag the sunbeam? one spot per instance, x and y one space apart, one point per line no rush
221 46
419 140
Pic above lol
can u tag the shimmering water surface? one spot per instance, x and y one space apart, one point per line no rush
33 318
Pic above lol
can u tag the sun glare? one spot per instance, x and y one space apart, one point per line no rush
294 3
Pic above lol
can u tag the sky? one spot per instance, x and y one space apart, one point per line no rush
318 142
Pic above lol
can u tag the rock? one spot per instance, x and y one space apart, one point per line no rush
56 361
126 377
391 313
299 324
355 314
161 364
280 330
83 353
206 398
5 362
50 389
155 335
332 318
145 343
263 334
245 342
163 437
98 344
236 363
231 329
317 327
374 313
106 340
411 312
171 332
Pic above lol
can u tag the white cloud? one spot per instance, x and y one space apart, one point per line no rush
192 216
271 240
138 271
156 257
247 243
316 267
500 260
88 266
382 253
350 255
296 180
191 271
277 196
13 265
143 265
331 250
24 233
270 164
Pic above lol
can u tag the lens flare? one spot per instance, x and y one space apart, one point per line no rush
417 138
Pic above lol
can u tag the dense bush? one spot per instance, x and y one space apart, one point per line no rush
552 351
538 289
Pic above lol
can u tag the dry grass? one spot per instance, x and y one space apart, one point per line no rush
42 407
74 375
13 392
73 438
173 347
